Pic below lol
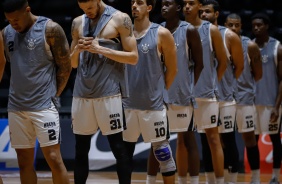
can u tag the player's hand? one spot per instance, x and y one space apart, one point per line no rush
274 115
94 47
84 43
57 102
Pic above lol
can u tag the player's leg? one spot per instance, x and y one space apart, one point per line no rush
23 136
181 158
227 135
154 128
163 154
47 127
84 125
193 156
123 152
54 159
111 120
153 167
216 152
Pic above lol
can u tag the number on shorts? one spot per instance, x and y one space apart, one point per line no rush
115 124
52 134
213 119
273 127
227 124
160 132
250 124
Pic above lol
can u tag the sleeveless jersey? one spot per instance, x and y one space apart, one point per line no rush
245 92
146 78
33 71
206 84
181 90
267 86
226 84
98 76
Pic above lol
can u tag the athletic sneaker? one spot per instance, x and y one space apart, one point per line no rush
274 180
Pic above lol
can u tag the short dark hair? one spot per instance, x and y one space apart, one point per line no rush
14 5
233 16
151 2
262 16
214 4
180 3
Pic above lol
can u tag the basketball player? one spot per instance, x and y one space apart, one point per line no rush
205 91
180 98
102 43
268 101
38 52
245 95
227 105
145 110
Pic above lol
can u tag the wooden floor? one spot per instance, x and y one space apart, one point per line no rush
111 178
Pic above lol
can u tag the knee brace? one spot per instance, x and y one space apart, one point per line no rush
163 154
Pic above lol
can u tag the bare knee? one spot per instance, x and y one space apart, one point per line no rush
213 137
53 157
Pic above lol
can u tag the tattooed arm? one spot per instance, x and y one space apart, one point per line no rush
129 55
57 40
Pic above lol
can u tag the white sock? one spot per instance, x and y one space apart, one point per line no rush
220 180
194 179
151 179
232 177
255 175
276 173
182 179
210 177
226 175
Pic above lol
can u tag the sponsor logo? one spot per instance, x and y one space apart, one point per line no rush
159 123
182 115
114 115
49 124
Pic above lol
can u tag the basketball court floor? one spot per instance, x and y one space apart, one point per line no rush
111 178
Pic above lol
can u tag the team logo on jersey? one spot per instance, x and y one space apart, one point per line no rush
145 48
264 58
31 44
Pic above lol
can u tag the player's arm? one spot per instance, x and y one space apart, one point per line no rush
195 45
220 53
2 56
167 47
75 50
256 61
57 40
129 55
236 52
275 113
